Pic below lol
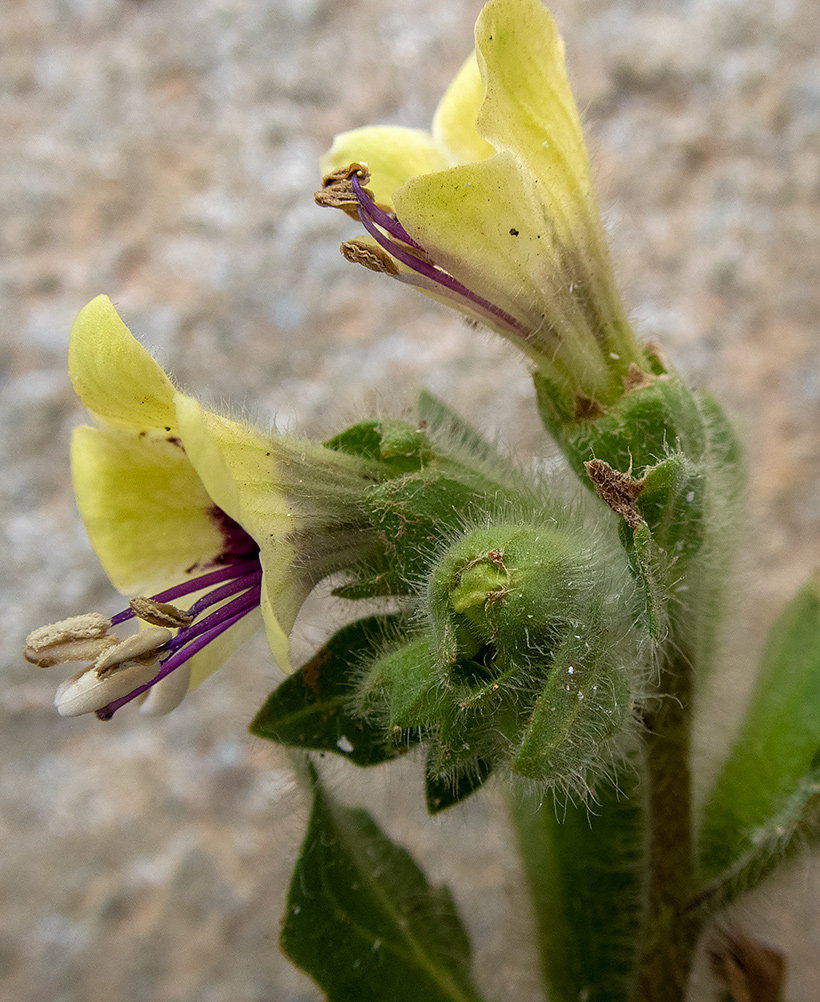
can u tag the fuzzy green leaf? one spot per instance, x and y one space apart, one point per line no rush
363 921
315 709
771 759
794 828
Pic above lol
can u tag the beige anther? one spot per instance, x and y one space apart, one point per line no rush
86 691
159 613
370 255
78 638
139 646
337 191
91 624
70 650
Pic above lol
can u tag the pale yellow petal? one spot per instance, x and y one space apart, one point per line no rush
146 511
238 468
113 375
530 112
454 123
486 226
392 155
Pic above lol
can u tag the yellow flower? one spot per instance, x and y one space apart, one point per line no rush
493 210
181 502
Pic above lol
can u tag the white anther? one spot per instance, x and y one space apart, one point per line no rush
138 645
86 692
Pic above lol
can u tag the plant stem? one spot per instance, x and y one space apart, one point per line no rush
582 863
669 931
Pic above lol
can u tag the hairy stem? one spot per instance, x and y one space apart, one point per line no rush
670 930
582 863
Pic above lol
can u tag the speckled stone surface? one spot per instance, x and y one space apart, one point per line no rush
165 153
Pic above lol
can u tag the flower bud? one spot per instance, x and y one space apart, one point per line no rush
531 661
505 596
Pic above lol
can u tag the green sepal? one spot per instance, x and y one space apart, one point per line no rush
638 431
315 708
582 863
447 426
403 687
412 515
363 921
441 792
777 741
646 564
584 705
672 505
398 446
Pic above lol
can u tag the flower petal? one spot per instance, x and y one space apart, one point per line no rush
238 468
487 225
392 154
529 108
146 511
113 375
454 123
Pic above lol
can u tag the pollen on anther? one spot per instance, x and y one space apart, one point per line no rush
371 256
159 613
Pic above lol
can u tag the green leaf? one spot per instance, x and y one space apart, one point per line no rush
315 707
777 742
363 921
583 866
795 828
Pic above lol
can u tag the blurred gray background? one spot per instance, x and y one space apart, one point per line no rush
165 153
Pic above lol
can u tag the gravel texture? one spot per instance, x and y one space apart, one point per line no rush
165 153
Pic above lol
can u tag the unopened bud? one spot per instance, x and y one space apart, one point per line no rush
507 594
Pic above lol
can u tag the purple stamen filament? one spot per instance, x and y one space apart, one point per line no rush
388 232
240 593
